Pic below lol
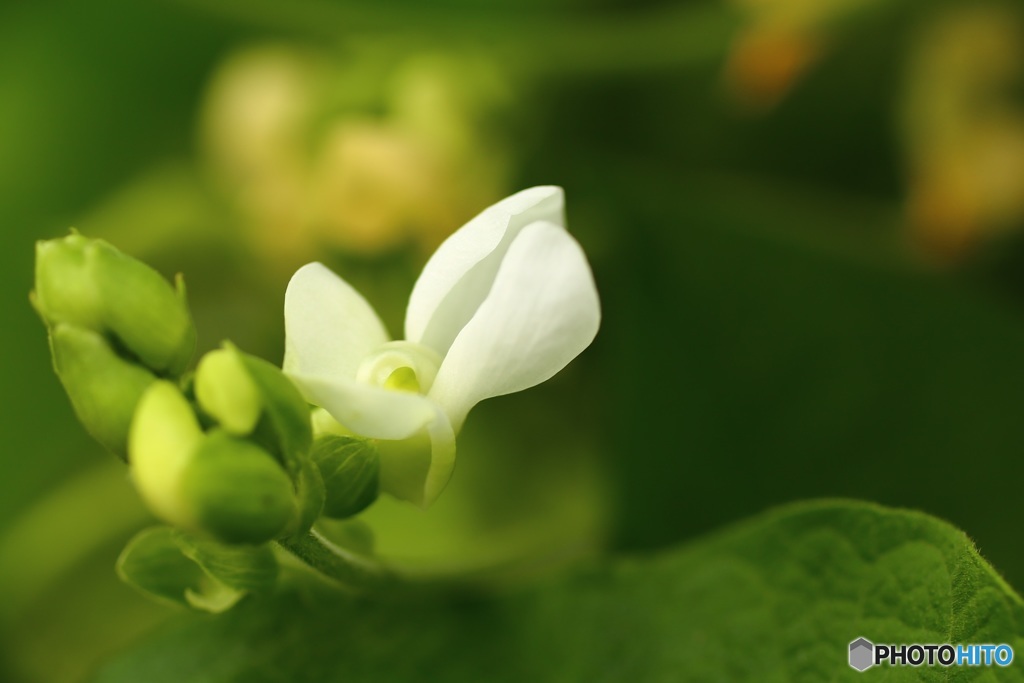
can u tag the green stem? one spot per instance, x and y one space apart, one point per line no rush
337 563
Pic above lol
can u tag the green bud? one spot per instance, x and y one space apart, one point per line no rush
88 283
164 438
215 483
103 387
225 390
237 491
350 468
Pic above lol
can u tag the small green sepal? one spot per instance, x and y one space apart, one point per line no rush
309 492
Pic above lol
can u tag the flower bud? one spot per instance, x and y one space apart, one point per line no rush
350 467
103 387
216 484
237 491
90 284
251 397
162 443
225 391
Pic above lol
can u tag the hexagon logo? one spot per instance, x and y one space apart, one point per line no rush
862 654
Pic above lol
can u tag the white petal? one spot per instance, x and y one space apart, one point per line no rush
442 457
329 326
417 469
418 447
542 311
365 409
458 276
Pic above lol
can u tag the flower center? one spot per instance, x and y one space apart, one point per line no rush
400 366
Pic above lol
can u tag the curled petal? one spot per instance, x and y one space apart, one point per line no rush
458 276
365 409
329 326
541 312
417 469
418 442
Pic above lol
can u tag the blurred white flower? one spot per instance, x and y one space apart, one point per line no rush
502 305
313 152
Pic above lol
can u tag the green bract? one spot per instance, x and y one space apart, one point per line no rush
173 566
104 388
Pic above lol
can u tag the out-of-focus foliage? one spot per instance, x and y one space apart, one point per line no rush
682 616
964 128
804 220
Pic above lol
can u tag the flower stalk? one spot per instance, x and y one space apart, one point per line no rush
342 566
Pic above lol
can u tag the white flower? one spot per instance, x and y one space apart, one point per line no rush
502 305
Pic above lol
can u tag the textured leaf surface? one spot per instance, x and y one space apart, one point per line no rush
776 599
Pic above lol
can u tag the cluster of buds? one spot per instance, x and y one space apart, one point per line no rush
223 453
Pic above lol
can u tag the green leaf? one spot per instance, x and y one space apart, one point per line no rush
778 598
171 566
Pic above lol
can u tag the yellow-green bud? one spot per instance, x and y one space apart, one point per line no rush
238 492
88 283
227 393
209 483
103 387
350 468
164 438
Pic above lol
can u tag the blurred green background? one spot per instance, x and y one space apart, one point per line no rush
803 216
